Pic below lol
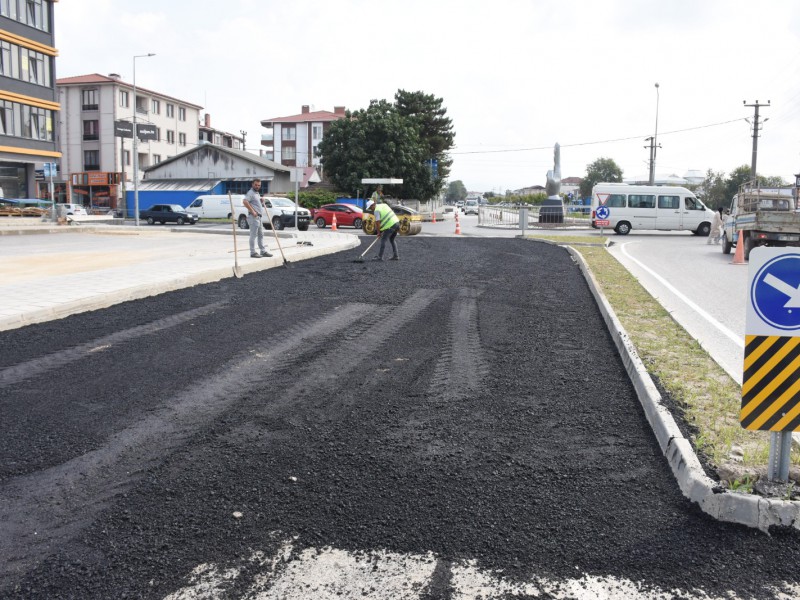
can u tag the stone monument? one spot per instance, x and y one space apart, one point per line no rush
553 185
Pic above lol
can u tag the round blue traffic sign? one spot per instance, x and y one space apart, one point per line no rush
775 292
602 212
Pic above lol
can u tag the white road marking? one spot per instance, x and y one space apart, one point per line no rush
720 327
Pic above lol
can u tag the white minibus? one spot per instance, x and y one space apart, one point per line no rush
624 207
215 206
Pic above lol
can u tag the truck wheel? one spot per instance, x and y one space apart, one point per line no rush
243 222
151 221
726 245
749 244
303 227
623 228
277 225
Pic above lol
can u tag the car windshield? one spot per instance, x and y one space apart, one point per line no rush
281 202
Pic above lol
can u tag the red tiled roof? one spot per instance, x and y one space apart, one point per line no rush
316 117
97 78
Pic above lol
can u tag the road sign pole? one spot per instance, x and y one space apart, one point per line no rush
780 447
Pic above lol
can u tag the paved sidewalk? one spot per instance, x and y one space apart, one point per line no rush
49 272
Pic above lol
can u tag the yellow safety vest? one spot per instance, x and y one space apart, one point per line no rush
386 216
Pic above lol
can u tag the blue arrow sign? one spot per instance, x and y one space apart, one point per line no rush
602 212
775 292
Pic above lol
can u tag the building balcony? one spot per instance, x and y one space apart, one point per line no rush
88 137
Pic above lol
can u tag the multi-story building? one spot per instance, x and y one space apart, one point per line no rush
209 135
95 110
293 140
28 99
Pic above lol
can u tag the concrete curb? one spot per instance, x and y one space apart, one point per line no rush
722 504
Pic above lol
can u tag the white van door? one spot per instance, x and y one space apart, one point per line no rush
642 209
670 212
694 213
197 207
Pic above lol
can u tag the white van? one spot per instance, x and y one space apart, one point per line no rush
624 207
214 206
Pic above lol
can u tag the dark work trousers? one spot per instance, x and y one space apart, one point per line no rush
390 233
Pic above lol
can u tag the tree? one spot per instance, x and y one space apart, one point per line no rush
390 140
436 129
456 191
714 190
603 169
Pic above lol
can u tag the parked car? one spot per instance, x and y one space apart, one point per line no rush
346 214
280 214
67 209
168 213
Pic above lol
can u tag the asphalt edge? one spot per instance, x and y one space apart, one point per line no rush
723 505
138 292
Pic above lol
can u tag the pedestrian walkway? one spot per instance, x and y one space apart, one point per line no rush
49 272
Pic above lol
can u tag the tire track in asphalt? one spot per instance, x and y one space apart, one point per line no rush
39 510
462 367
32 368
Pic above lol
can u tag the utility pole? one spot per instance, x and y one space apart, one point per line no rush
652 146
756 128
244 139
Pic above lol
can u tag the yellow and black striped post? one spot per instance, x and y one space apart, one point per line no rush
771 383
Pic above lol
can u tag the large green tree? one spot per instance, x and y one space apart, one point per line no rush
601 170
390 140
714 190
435 127
456 191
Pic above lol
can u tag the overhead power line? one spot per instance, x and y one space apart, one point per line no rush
625 139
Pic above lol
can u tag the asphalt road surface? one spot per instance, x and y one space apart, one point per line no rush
454 425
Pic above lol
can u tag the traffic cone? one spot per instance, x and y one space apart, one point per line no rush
434 217
458 225
738 257
333 224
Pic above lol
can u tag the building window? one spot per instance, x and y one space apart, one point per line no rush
156 107
158 134
288 133
171 111
141 104
316 132
170 136
90 130
6 118
36 14
89 99
181 113
288 153
91 160
34 67
182 139
126 158
6 62
124 98
37 123
156 159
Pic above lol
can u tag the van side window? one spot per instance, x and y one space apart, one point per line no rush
641 201
616 201
669 202
197 203
692 204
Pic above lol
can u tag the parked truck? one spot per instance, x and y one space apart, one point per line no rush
762 217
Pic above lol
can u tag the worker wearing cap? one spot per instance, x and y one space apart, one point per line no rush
386 226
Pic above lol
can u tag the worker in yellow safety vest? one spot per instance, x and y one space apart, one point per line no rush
386 226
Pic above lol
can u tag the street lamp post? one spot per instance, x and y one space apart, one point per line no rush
136 144
655 143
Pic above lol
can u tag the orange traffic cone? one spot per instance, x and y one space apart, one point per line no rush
333 224
738 257
458 225
434 217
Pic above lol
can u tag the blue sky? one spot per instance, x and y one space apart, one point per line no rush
515 76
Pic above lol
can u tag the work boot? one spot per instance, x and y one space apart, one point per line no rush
255 255
395 258
265 253
378 258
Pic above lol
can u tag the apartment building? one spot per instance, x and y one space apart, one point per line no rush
292 140
210 135
96 134
28 98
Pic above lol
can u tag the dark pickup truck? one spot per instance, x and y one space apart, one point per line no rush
168 213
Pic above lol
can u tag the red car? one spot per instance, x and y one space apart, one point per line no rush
346 214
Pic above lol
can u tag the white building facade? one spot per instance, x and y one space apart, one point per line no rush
98 164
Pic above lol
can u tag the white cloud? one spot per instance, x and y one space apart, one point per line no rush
514 74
